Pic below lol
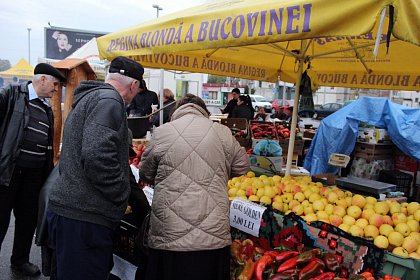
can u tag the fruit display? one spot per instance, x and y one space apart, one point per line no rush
139 149
282 131
388 224
255 263
239 133
263 130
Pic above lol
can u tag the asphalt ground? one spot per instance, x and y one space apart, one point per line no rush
6 272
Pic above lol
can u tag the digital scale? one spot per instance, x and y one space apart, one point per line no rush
358 185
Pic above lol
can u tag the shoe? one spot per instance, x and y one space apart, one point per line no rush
28 269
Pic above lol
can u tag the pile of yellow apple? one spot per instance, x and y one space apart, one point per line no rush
389 224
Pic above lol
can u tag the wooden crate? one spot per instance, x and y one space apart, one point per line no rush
239 124
295 158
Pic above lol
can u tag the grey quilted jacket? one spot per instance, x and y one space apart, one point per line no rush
190 160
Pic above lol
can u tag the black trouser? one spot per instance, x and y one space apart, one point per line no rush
21 196
83 250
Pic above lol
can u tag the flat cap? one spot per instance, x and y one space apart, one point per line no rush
46 69
127 67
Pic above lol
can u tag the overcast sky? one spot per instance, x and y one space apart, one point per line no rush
16 16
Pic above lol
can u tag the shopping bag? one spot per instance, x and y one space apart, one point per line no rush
142 237
268 148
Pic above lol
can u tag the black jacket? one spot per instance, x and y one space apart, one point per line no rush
14 118
229 107
142 103
242 111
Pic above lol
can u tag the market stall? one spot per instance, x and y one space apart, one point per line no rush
281 226
347 43
308 221
22 71
271 41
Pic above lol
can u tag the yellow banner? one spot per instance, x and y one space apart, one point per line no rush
260 40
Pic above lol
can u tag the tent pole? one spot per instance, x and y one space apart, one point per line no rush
295 109
161 95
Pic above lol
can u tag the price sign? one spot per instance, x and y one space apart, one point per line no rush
246 216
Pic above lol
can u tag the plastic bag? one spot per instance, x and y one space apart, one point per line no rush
268 148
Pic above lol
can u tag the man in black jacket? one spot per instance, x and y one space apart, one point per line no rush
232 103
26 135
142 103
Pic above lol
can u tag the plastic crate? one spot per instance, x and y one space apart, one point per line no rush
400 179
403 268
124 245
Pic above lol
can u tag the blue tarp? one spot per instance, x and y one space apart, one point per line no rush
338 132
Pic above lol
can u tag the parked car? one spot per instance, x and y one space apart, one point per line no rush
348 102
279 102
259 101
326 110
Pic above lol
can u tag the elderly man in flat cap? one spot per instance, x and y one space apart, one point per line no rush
90 195
26 135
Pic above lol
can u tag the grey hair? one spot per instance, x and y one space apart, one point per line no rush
123 80
37 77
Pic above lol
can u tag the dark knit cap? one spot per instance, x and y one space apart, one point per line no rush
127 67
46 69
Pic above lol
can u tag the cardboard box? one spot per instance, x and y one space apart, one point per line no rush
373 135
404 162
265 165
373 151
297 149
309 134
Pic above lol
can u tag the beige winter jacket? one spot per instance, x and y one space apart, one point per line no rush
191 159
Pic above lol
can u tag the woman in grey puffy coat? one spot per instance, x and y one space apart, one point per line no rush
190 159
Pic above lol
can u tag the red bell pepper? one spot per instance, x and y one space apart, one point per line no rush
306 257
331 262
261 265
310 270
247 271
325 276
283 256
290 263
280 276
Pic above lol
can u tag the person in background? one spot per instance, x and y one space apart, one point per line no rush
260 116
168 104
190 160
232 103
26 157
142 103
243 109
279 114
90 195
289 115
